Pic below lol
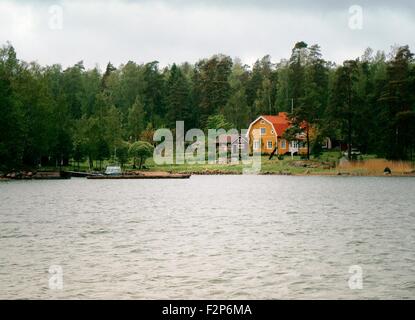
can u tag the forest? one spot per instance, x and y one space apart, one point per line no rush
51 115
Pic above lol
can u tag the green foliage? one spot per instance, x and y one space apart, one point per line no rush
123 152
317 147
262 88
178 101
136 120
218 122
141 150
211 85
291 134
51 115
237 109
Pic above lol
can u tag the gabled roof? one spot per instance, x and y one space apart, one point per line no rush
280 123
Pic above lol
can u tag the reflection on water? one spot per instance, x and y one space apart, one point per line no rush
236 237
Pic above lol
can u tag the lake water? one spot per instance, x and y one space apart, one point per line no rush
214 237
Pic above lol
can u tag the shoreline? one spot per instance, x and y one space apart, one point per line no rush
289 174
168 173
343 175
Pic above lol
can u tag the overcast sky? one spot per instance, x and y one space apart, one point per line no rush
187 30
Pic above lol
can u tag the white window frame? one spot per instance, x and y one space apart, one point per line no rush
269 142
265 131
283 144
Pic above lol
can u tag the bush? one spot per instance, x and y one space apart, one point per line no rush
141 150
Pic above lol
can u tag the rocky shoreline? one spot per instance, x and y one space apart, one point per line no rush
311 174
308 172
33 175
308 167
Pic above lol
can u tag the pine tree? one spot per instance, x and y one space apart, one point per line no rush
344 106
136 120
178 99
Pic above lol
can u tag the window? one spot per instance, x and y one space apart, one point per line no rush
262 122
294 144
256 145
283 144
263 130
270 145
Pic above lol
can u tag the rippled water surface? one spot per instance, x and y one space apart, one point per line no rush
236 237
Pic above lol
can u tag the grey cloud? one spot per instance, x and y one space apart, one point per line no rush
314 5
303 5
184 30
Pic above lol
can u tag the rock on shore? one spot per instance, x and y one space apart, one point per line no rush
40 175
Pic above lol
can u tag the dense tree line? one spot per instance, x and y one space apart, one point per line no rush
50 115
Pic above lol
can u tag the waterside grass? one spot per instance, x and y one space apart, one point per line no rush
328 164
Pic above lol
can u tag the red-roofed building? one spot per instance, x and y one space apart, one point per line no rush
270 130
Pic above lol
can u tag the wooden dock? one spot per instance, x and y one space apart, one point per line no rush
76 174
143 176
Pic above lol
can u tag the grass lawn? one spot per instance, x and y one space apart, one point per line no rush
326 164
267 166
274 166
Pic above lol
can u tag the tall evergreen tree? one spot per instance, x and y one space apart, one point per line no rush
136 120
399 100
343 107
237 110
212 85
178 99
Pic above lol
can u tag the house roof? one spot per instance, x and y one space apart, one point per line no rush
280 122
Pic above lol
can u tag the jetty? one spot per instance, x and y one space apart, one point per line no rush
141 175
76 174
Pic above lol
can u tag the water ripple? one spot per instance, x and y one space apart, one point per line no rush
257 238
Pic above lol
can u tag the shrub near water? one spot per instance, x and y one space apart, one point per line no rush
377 166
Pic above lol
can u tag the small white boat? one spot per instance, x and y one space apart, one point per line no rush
113 171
